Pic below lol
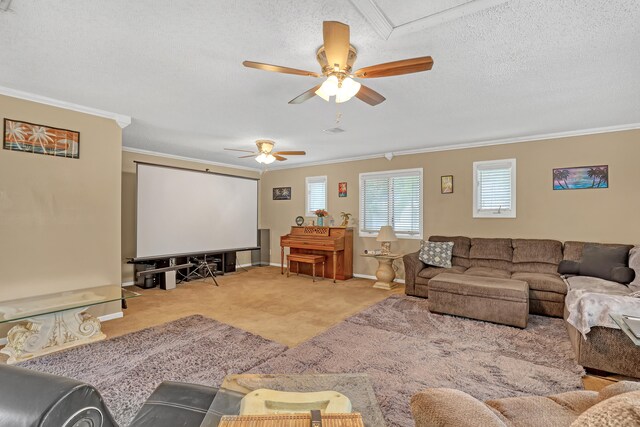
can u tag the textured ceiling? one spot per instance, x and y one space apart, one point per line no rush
517 69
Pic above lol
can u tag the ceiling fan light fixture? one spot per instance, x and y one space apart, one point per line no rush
266 159
347 90
329 88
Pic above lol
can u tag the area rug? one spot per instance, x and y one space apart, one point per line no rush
404 349
128 368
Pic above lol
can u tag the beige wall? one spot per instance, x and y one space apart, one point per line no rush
129 200
607 215
60 218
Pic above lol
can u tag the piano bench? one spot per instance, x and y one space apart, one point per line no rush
306 259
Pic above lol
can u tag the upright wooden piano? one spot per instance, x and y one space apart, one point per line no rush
336 243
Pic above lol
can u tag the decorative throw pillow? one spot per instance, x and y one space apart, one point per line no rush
622 410
599 260
568 267
437 254
634 262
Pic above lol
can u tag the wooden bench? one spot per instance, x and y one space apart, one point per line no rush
306 259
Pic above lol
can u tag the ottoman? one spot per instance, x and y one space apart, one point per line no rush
503 301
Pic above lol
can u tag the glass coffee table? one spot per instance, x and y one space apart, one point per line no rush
55 321
620 321
357 387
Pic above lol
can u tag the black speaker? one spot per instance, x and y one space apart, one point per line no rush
260 257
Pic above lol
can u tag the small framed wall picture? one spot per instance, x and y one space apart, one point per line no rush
446 184
282 193
342 189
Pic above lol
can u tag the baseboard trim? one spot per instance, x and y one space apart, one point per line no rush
105 318
360 276
367 276
111 316
130 283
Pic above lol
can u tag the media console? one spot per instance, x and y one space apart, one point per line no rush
164 272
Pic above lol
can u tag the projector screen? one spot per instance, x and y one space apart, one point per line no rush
182 212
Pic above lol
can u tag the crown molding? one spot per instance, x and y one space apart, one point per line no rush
375 17
477 144
384 27
188 159
122 120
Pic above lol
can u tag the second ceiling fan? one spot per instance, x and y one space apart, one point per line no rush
336 57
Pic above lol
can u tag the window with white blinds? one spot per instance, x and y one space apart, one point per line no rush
316 193
494 193
391 198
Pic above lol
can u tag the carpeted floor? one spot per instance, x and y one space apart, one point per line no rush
128 368
405 348
401 345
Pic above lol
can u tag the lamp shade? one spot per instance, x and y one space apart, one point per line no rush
386 234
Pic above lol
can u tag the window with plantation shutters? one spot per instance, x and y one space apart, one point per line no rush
494 192
316 194
391 198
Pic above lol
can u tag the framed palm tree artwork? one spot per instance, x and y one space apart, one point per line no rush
581 177
40 139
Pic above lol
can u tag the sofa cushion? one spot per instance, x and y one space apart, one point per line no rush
536 255
526 410
597 285
599 260
619 411
543 282
488 272
437 254
537 250
495 249
461 247
430 272
546 296
618 388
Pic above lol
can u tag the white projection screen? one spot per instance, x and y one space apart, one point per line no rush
182 212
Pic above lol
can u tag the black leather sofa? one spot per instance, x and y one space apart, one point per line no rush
34 399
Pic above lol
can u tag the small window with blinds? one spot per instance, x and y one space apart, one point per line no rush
391 198
316 194
494 190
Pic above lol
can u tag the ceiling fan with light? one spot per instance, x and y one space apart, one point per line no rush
336 57
265 153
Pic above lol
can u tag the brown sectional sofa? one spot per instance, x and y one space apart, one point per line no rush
534 261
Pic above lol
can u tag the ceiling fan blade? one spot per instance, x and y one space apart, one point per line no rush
279 69
291 153
336 43
278 157
235 149
250 155
396 68
307 95
369 96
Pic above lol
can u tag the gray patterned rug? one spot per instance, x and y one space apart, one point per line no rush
128 368
404 348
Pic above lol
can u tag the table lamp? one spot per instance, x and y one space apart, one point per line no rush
386 236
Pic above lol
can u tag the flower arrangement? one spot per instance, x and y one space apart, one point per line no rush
321 213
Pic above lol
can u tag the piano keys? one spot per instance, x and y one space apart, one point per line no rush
336 243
